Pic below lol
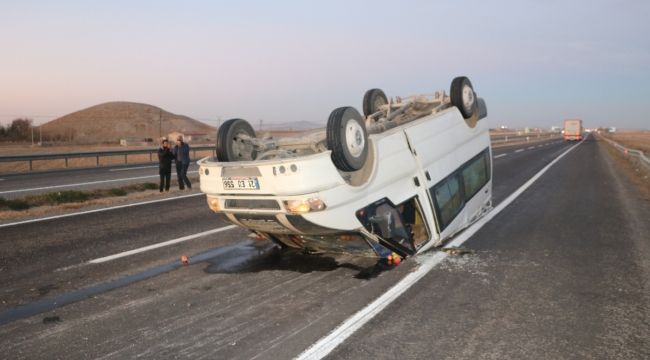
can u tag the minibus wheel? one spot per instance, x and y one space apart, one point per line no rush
372 100
232 143
347 138
463 96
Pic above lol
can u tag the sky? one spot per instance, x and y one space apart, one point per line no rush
534 62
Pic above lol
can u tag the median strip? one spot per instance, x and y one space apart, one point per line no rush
99 210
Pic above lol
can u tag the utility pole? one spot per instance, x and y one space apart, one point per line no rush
40 135
160 122
32 135
260 124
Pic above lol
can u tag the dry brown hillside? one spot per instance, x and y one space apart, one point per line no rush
112 121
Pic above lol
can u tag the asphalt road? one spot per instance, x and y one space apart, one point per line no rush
562 272
19 185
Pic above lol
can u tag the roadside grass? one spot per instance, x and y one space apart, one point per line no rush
639 140
72 196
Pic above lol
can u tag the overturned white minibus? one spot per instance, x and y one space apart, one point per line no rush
406 176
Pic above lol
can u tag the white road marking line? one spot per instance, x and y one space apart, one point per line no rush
325 345
88 183
99 210
500 155
134 168
519 150
159 245
539 146
530 147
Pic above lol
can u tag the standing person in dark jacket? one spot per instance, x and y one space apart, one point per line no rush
182 155
165 158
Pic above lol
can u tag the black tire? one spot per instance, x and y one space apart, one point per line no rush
347 138
229 146
372 100
463 96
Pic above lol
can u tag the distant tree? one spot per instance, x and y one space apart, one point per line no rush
3 133
20 129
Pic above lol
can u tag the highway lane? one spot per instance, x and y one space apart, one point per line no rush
13 186
208 309
80 231
561 273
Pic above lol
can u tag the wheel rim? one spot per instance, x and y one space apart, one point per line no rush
354 139
240 148
468 98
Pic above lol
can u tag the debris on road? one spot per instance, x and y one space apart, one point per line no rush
185 260
457 251
51 319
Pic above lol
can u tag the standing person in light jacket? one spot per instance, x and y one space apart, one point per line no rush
182 155
165 158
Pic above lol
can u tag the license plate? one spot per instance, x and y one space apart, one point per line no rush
240 183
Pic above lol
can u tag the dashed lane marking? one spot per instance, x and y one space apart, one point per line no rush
519 150
159 245
427 262
500 155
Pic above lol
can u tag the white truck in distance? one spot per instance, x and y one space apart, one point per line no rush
404 177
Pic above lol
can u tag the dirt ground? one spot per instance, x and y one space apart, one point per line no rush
638 173
639 140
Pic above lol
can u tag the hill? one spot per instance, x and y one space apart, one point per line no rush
109 122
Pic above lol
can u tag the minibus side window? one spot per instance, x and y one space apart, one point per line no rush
475 175
448 199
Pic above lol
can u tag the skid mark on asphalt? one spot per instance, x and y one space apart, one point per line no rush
49 304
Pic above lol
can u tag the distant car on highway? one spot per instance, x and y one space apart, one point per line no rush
407 175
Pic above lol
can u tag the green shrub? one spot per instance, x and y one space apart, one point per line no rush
117 192
67 196
17 205
150 186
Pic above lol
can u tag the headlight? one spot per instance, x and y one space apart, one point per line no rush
213 204
302 206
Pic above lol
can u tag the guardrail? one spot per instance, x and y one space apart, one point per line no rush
627 151
96 154
506 138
